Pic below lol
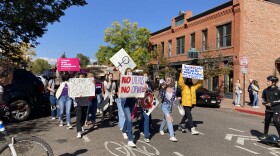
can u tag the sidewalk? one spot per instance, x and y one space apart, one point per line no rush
228 103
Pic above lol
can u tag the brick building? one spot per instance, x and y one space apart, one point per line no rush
236 28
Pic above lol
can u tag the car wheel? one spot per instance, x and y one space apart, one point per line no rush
20 110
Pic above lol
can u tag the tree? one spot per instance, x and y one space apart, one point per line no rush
129 37
84 60
39 65
63 55
26 20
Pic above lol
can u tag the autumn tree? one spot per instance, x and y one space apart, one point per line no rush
129 37
26 20
39 65
84 60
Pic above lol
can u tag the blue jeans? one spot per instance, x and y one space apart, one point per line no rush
120 113
54 112
92 108
99 100
167 109
146 123
237 98
65 101
128 105
256 99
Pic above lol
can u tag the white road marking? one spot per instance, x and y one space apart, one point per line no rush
273 154
237 130
241 140
230 136
260 146
178 154
86 139
247 150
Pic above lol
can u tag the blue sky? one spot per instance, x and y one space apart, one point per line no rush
81 30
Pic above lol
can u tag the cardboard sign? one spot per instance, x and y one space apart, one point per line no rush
68 64
131 86
194 72
149 103
122 61
81 87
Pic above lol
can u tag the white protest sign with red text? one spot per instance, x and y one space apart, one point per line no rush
131 86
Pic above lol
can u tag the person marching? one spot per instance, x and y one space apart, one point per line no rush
188 93
167 94
271 99
53 85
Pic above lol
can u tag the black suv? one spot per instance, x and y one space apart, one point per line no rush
25 95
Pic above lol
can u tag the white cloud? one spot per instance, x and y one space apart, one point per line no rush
93 60
50 60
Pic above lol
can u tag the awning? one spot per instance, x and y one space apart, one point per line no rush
277 61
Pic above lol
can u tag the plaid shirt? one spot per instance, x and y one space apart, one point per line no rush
163 96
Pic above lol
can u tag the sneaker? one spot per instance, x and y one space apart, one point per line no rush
173 139
53 118
237 105
161 132
257 107
125 136
182 128
69 126
194 132
147 140
60 123
79 135
131 144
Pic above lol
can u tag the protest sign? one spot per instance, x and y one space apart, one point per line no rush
81 87
131 86
122 61
149 103
68 64
194 72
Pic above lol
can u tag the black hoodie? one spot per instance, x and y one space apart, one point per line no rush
272 95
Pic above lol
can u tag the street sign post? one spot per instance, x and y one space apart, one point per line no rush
244 65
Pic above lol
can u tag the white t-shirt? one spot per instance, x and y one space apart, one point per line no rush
1 89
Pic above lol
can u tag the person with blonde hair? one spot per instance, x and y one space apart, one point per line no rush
238 91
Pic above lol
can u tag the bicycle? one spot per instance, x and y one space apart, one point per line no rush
23 146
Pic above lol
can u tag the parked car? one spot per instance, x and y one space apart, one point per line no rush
204 97
25 95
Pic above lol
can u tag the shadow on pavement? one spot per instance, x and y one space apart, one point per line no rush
256 133
81 151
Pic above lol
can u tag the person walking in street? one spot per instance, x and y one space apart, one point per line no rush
53 85
128 105
238 91
64 101
250 91
255 90
188 94
167 94
271 99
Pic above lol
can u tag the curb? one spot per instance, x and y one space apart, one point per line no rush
250 112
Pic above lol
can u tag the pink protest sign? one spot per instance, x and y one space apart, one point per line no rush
68 64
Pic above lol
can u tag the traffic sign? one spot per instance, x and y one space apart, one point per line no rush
244 61
244 70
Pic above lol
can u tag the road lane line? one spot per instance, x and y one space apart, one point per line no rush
273 154
247 150
86 139
236 130
178 154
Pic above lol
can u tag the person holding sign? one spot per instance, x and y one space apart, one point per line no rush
188 93
167 94
64 101
128 105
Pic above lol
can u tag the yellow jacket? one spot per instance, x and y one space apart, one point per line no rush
188 93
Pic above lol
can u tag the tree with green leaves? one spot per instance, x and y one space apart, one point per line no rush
26 20
39 65
84 60
129 37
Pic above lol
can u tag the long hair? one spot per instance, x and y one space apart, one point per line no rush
125 73
255 82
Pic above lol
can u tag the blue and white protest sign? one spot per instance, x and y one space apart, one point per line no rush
194 72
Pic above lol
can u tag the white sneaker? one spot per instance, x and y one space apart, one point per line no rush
69 126
194 132
79 135
173 139
125 136
53 118
147 140
161 132
131 144
257 107
60 123
237 105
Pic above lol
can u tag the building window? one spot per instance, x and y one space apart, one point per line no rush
204 39
169 48
154 47
193 40
224 35
162 48
179 20
180 45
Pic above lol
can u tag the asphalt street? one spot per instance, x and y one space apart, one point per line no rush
223 133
